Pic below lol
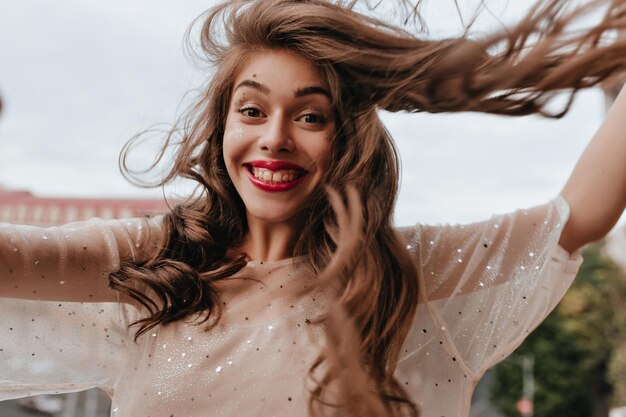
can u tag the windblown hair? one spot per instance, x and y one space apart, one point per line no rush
368 64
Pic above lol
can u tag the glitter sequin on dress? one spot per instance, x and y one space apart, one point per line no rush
484 287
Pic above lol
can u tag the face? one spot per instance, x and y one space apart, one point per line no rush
278 134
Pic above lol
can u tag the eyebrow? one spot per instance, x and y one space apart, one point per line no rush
299 92
305 91
254 84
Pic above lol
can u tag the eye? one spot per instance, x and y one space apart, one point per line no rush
313 118
250 112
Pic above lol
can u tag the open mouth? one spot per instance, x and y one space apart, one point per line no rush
275 176
281 176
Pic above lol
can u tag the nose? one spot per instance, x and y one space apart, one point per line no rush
276 138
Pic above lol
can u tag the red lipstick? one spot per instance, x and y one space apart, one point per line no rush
275 166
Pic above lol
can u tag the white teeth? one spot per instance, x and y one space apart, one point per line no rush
284 175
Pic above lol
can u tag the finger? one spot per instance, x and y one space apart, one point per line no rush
334 200
347 235
339 208
355 208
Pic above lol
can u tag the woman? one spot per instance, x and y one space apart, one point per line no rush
268 289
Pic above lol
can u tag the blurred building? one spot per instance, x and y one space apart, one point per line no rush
22 207
615 246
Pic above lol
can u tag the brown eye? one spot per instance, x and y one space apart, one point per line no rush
250 112
313 118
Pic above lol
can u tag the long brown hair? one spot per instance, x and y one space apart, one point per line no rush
369 65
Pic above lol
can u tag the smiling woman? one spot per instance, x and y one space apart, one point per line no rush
277 139
280 287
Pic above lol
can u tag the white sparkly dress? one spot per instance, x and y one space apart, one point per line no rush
484 287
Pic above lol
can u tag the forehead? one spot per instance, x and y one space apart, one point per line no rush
280 68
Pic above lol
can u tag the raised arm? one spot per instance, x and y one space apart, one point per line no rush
72 262
596 190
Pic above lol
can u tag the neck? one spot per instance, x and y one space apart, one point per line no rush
270 241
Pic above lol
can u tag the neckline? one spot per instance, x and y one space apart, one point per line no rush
260 268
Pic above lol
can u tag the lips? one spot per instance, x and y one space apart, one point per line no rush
275 175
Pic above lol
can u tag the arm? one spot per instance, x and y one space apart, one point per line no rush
55 347
72 262
484 286
596 189
516 247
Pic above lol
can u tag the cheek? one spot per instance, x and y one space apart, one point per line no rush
232 144
324 151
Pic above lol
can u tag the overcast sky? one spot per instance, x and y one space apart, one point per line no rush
79 77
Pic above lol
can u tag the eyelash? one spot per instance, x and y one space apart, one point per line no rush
242 110
321 118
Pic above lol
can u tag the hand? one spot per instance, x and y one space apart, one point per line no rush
347 236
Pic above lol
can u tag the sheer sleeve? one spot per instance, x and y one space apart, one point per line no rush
486 285
71 262
53 347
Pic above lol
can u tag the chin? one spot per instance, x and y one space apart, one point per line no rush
272 216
